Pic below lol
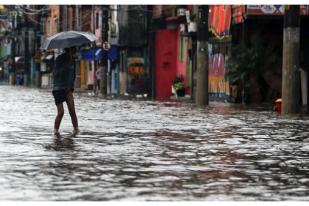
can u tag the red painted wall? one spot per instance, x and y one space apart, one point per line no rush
166 58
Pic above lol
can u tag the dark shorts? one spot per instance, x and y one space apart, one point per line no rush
60 96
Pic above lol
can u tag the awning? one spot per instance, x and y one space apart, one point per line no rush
49 57
91 54
112 53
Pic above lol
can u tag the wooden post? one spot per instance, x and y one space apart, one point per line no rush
290 64
202 57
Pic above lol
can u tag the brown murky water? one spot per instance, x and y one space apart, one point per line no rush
145 150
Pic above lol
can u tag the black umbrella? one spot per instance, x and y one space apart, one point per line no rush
68 39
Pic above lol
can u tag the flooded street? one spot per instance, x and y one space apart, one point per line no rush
148 150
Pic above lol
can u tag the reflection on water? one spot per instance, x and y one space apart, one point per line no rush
61 143
144 150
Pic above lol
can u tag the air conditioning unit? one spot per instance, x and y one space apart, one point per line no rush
181 12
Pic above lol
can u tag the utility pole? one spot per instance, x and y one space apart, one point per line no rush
26 50
202 57
290 64
13 52
77 26
37 48
104 63
64 18
193 56
151 51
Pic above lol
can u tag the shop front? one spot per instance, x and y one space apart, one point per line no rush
19 70
89 59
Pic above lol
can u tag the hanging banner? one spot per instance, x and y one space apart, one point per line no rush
238 14
220 20
218 84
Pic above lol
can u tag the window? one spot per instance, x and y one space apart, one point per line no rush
56 25
78 17
48 27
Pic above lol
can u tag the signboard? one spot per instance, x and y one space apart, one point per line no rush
265 9
136 66
273 9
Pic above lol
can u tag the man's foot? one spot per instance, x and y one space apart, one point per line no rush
57 134
75 132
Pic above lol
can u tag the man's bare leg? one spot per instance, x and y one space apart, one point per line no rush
60 112
71 108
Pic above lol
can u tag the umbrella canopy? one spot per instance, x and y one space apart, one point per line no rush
68 39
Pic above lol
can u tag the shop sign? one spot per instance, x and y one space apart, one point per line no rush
273 9
265 9
136 66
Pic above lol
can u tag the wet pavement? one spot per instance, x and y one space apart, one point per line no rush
147 150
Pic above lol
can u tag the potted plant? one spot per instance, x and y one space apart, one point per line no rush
179 87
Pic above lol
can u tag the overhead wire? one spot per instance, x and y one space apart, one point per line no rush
23 10
45 8
30 11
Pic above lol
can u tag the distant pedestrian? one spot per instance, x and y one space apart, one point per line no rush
63 87
98 74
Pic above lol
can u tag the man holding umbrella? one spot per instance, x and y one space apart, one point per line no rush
64 72
63 87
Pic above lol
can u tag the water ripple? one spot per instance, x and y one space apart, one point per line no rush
148 150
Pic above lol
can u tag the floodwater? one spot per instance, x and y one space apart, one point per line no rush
148 150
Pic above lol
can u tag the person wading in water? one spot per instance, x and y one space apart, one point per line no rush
63 88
